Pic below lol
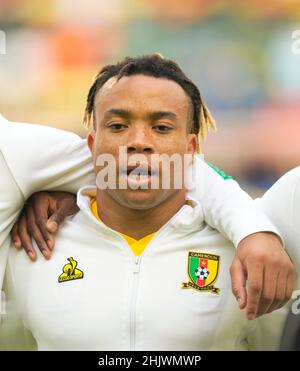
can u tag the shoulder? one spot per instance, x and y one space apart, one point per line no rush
23 139
281 194
280 198
72 233
18 132
35 153
287 183
282 204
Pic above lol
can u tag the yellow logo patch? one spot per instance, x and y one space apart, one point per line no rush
70 272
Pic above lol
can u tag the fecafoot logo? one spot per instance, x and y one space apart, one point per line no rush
296 43
2 42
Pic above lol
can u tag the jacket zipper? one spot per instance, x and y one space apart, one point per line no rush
136 267
136 271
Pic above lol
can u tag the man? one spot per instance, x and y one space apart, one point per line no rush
63 163
144 104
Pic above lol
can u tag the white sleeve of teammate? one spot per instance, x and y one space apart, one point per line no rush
11 201
282 204
34 158
226 206
13 333
40 158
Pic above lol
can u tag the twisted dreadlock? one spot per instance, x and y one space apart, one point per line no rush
156 66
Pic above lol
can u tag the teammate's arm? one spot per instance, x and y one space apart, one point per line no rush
13 333
11 202
35 158
281 203
262 273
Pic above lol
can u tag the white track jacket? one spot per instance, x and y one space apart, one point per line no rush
94 294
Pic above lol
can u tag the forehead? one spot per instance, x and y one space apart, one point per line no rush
142 92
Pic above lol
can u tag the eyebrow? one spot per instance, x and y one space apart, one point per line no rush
161 115
118 112
156 115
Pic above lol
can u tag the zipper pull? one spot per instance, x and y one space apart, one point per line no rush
136 267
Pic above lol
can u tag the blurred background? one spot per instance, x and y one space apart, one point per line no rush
241 54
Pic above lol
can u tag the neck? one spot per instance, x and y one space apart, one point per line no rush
137 223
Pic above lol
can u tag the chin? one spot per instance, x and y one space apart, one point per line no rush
141 199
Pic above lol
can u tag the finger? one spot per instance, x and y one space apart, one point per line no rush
254 289
50 240
15 237
51 225
40 210
25 238
55 220
290 285
268 294
280 297
238 282
36 233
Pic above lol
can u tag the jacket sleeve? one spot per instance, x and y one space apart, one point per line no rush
11 202
226 206
35 158
281 203
13 333
44 158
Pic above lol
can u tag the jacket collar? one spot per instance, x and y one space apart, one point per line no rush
188 219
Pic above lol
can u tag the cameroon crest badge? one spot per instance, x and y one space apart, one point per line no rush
203 271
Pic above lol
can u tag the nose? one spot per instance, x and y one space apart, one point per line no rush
140 141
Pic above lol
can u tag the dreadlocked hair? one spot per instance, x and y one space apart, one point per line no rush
156 66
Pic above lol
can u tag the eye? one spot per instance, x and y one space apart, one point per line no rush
161 128
117 126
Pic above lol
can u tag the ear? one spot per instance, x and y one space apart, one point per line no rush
91 141
192 144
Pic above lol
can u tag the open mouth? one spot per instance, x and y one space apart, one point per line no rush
139 171
138 176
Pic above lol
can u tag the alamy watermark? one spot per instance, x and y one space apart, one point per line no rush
140 171
296 44
296 304
2 42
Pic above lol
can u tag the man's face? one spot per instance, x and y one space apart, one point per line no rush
149 116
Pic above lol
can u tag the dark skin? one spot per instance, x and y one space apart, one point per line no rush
42 216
